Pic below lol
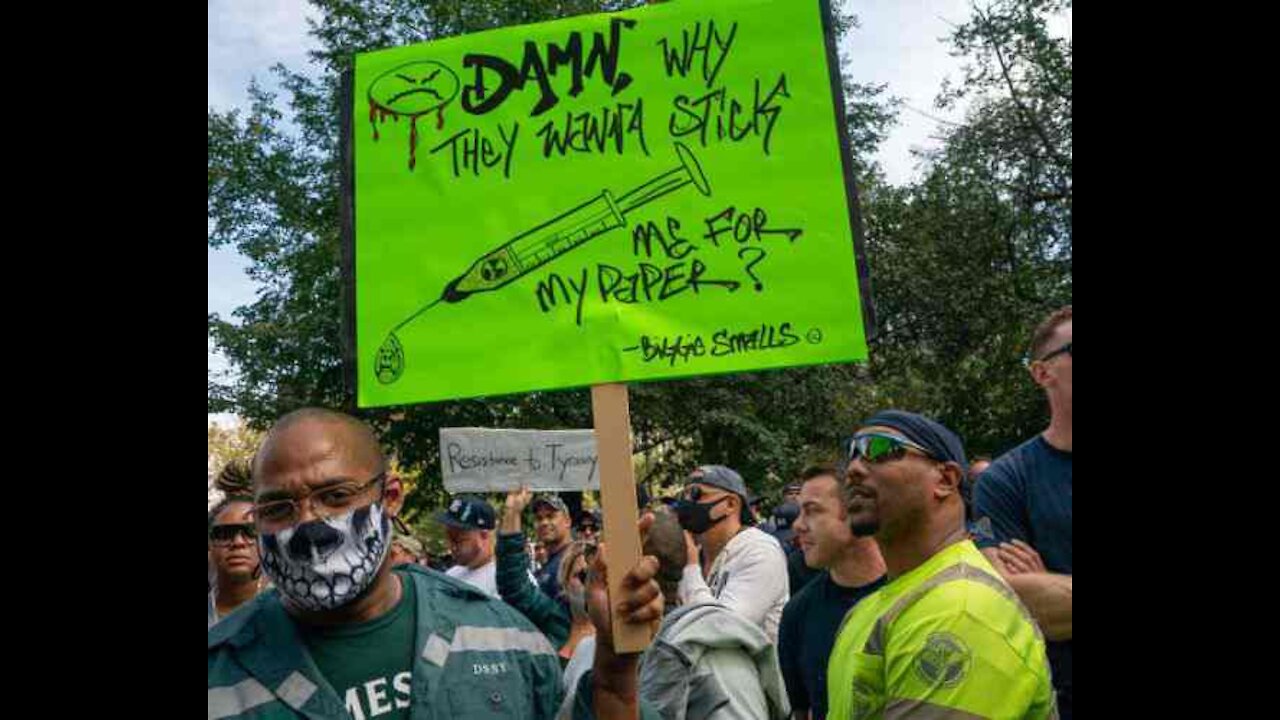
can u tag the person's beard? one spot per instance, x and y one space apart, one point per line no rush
859 525
464 557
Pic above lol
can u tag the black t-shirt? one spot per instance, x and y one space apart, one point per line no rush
1026 495
805 637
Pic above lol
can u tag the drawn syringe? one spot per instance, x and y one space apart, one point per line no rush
534 248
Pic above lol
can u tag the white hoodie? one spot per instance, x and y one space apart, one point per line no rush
749 577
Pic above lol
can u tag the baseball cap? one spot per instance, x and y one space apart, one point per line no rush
468 512
725 479
552 501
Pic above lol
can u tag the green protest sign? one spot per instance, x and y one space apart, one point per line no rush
631 196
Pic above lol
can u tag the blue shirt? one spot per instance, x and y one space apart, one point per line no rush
1026 495
548 575
810 622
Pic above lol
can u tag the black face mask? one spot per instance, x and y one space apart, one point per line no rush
696 517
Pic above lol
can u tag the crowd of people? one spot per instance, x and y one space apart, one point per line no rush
905 580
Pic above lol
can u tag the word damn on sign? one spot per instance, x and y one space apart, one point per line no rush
478 98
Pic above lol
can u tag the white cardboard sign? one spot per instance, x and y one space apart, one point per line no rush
490 460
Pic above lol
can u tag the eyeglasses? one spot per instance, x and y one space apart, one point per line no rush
333 500
1064 349
224 535
876 448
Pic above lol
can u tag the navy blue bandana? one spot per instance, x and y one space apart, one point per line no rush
929 434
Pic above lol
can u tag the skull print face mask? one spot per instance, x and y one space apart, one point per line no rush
326 563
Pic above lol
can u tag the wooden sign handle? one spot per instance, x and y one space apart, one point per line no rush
612 419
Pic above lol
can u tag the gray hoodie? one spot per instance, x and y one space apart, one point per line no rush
709 663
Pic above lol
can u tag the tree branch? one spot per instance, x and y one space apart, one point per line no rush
1026 113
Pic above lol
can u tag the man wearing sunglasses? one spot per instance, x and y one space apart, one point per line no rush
1022 507
946 636
589 525
344 635
746 568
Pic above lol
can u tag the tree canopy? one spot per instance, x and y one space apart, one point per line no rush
963 261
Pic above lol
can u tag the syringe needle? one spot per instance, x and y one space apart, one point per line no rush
542 244
416 313
655 188
688 172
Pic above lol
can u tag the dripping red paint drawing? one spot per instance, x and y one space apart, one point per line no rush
411 90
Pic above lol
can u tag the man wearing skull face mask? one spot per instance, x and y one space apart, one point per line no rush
345 635
746 568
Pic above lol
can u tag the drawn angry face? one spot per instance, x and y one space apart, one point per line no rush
414 88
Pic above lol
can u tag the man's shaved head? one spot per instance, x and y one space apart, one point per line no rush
343 436
325 504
